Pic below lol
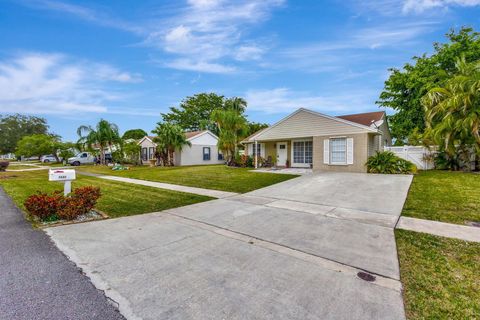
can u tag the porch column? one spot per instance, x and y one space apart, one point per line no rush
256 156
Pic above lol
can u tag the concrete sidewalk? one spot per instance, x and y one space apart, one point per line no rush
37 281
200 191
442 229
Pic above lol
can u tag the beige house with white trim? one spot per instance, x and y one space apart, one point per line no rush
203 149
309 139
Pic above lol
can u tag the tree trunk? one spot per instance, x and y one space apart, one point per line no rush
102 155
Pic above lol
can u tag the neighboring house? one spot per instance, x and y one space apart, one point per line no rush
203 150
311 139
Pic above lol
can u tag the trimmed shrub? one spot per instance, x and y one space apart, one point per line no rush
43 206
387 162
80 202
4 165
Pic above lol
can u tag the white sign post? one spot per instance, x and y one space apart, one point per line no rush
65 175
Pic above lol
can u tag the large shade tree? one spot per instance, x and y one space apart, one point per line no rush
15 127
38 145
169 138
105 134
453 110
135 134
405 87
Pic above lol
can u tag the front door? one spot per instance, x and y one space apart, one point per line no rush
282 154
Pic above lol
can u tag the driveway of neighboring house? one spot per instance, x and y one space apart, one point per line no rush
293 250
37 281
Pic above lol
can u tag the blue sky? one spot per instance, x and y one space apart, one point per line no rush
127 61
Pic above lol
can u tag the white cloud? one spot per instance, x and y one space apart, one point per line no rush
95 16
208 32
199 66
284 100
52 83
419 6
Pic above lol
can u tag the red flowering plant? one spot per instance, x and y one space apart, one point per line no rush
56 206
43 205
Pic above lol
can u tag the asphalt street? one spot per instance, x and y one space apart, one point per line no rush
37 281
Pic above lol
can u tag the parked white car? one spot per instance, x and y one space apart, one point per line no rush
48 158
82 158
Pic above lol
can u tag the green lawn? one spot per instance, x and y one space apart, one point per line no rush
444 196
118 199
440 276
218 177
20 167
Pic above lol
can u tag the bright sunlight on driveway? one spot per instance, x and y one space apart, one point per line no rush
269 254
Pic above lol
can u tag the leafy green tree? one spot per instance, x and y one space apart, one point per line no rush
132 152
104 135
232 127
453 109
255 126
37 145
136 134
170 138
194 112
15 127
237 104
405 87
66 150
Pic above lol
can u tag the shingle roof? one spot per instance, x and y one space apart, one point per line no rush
192 134
253 134
365 119
188 134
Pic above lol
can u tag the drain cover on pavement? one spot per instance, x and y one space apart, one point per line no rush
366 276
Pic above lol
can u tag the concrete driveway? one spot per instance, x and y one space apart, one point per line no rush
288 251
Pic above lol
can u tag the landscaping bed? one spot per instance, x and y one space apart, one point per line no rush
216 177
117 200
440 276
446 196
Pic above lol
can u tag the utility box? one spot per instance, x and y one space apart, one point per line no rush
61 175
65 175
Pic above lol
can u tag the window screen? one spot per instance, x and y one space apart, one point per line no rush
338 150
206 153
258 150
302 151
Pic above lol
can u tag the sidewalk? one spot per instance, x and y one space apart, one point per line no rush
440 229
200 191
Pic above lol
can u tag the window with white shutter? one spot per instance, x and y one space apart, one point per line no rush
338 151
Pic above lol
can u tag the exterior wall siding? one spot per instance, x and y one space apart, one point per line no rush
305 124
194 155
360 154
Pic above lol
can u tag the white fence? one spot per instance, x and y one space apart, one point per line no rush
420 156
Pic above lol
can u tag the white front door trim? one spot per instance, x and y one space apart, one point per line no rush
282 153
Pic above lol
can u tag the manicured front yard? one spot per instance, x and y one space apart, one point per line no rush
218 177
445 196
118 199
440 276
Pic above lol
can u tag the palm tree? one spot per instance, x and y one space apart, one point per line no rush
232 126
237 104
170 137
105 134
453 109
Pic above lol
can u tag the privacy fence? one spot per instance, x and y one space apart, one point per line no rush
420 156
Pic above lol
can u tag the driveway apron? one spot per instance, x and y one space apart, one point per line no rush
302 249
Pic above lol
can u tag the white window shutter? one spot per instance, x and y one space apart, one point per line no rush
262 150
326 151
250 149
349 150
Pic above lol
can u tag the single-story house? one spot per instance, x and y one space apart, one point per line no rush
203 149
308 138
